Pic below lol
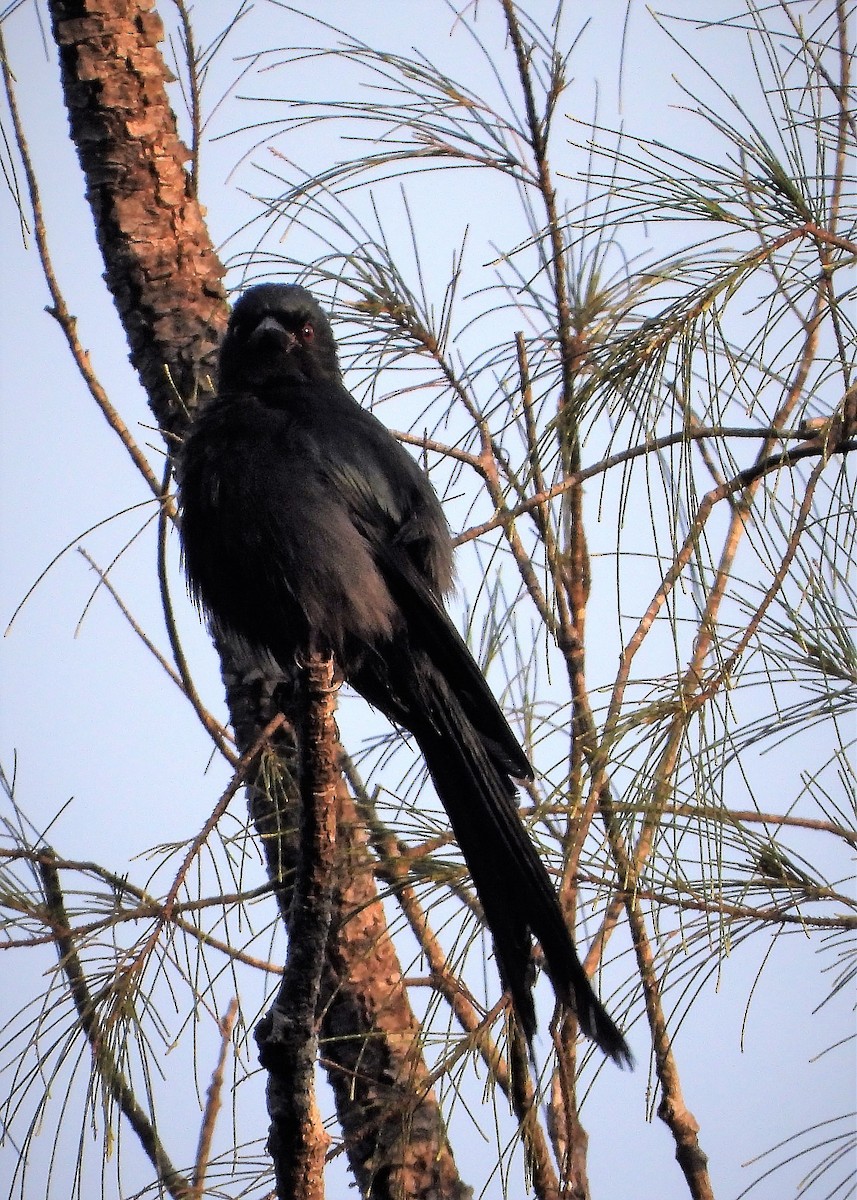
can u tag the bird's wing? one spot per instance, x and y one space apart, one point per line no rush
395 509
431 633
430 628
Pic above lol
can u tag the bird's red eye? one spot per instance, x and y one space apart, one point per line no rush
307 334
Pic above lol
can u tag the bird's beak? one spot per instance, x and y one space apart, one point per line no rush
270 327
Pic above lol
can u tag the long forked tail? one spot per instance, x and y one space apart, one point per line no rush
514 888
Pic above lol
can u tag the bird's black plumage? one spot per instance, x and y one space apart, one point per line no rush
306 525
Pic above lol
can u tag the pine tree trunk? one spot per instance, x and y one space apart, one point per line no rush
166 281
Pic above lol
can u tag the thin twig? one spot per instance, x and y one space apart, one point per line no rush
213 1102
218 734
59 311
110 1074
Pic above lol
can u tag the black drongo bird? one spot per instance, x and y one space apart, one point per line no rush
307 526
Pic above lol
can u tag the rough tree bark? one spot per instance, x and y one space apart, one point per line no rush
167 284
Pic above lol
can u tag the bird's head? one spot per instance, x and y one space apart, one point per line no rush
277 334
